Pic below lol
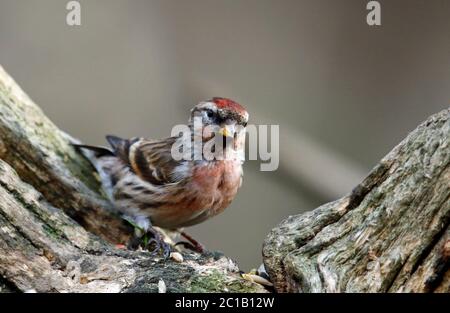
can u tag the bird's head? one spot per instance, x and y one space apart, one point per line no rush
225 115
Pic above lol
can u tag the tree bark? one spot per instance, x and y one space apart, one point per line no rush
57 230
390 234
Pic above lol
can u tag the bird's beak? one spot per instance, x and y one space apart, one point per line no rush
224 131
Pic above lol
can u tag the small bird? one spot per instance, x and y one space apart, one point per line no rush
152 188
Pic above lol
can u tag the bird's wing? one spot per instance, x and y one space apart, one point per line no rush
149 159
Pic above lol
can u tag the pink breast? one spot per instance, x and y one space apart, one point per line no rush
218 182
211 190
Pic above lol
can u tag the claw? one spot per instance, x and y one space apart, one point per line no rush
155 250
145 242
166 250
160 244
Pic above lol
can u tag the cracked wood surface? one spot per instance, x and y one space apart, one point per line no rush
391 234
56 228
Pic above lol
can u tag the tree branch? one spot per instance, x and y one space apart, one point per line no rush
391 234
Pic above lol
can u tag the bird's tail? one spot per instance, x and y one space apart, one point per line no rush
95 151
98 156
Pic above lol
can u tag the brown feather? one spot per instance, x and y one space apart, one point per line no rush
152 161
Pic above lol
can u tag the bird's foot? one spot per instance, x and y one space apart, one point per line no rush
155 243
151 240
192 244
147 237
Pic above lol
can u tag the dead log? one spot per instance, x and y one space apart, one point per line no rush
390 234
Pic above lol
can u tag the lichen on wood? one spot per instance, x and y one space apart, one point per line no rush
391 234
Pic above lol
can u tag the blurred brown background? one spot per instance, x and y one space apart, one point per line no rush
342 92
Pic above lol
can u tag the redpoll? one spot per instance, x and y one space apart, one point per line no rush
149 186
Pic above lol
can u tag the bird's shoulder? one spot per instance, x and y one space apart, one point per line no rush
152 160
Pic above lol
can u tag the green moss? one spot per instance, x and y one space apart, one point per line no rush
218 282
52 232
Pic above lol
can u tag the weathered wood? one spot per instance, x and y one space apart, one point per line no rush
53 217
391 234
42 156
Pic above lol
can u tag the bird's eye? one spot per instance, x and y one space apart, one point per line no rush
209 114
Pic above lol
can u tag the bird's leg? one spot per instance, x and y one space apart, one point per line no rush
192 244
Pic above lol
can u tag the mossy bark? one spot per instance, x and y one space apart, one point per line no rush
391 234
57 231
